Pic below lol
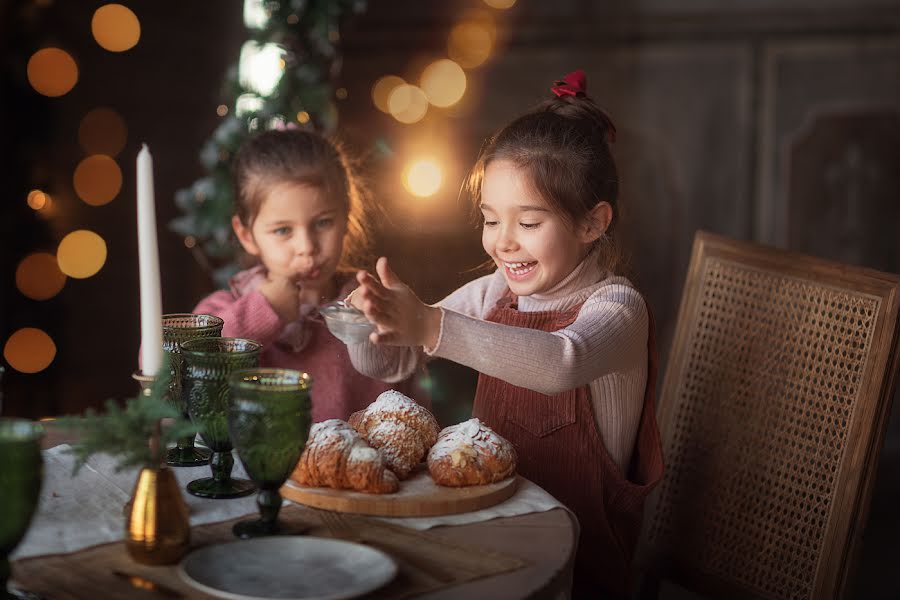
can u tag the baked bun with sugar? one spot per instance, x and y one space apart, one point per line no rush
402 430
336 456
471 453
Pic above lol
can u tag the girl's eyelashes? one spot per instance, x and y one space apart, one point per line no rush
324 223
281 230
528 226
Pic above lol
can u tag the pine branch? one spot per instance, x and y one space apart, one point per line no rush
125 431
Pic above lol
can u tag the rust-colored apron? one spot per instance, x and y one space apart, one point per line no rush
560 449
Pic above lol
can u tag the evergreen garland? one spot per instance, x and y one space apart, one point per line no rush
308 32
127 432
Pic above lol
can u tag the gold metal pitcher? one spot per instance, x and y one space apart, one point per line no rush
157 527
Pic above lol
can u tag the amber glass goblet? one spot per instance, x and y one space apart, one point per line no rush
179 328
208 364
21 476
269 421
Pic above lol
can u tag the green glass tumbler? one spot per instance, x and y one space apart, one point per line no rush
21 476
269 421
179 328
208 364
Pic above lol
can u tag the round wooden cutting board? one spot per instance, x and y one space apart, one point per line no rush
419 496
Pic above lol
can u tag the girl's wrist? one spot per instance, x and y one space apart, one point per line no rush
431 319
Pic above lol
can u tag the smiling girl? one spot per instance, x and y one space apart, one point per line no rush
298 213
564 347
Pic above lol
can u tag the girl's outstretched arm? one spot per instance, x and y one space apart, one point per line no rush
401 319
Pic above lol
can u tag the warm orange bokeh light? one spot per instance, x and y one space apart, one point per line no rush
97 179
38 276
423 177
408 104
52 72
115 27
444 82
38 199
29 350
102 131
501 4
472 40
81 254
382 90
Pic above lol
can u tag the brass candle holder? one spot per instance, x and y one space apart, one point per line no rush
157 523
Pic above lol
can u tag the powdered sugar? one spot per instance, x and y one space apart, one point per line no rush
460 441
337 433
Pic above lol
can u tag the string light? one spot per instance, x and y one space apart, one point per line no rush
423 177
444 82
115 28
52 72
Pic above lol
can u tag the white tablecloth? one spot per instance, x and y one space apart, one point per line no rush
78 512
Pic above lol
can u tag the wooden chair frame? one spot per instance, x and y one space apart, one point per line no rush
772 412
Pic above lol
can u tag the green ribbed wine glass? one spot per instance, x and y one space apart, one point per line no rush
21 475
269 422
179 328
208 364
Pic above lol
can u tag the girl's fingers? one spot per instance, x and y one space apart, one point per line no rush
388 278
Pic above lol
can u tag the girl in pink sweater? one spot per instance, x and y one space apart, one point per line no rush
564 347
298 212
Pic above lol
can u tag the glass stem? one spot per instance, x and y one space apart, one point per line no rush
221 464
269 502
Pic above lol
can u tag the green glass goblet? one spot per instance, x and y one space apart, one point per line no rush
208 363
179 328
21 475
269 422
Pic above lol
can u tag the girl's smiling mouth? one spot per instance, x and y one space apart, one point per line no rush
519 270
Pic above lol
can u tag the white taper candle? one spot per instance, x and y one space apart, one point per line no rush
148 259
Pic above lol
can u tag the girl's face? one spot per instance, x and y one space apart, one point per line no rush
533 246
298 234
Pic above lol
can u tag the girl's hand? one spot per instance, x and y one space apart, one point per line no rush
284 296
401 319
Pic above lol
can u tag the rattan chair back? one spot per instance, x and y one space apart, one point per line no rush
772 412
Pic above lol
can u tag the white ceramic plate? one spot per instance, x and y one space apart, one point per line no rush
288 568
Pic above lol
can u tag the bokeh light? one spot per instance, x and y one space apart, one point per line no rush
97 179
382 90
423 177
102 131
470 42
52 72
115 28
81 254
256 16
408 104
260 67
29 350
38 200
444 82
38 276
501 4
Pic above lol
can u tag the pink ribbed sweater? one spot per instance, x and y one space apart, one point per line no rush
605 348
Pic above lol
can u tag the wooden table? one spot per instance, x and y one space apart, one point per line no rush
545 540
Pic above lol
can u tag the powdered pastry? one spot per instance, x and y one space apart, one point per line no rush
336 456
402 430
471 453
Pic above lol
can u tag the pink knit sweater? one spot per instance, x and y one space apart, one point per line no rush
305 344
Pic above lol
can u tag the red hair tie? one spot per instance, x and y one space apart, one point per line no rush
575 83
571 85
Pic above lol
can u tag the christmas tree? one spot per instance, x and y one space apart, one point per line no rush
285 78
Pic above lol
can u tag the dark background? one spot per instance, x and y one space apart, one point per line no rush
769 120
